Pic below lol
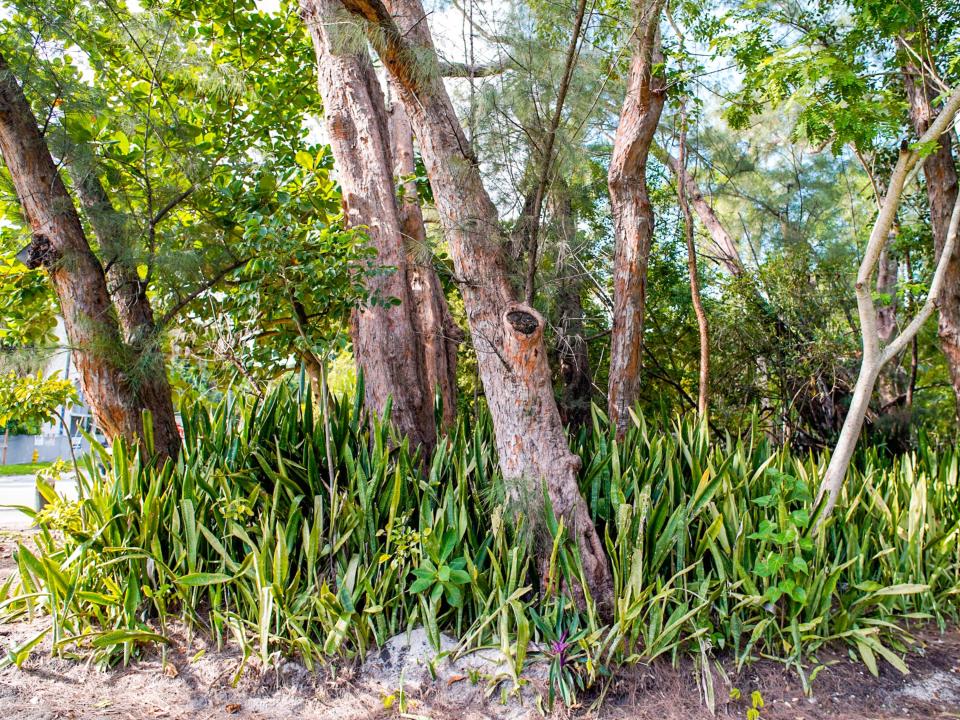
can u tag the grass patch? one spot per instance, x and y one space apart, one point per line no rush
23 469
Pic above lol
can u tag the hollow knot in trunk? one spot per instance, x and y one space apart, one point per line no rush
39 253
523 322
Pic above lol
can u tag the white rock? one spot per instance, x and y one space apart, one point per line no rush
410 661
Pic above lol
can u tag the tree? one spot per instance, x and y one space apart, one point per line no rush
703 328
27 309
288 301
134 311
834 63
570 336
507 335
727 253
940 172
385 340
875 356
532 215
60 246
439 334
632 212
174 139
32 400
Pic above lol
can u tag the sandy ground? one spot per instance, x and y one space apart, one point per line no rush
193 680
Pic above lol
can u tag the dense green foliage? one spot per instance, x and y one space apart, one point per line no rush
207 111
710 541
295 531
33 399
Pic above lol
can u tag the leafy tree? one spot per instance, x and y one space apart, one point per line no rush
34 399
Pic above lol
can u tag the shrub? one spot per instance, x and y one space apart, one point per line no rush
252 536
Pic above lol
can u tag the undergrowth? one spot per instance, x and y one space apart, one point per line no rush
251 537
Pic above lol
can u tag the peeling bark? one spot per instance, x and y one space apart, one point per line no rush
385 340
633 220
61 247
508 337
439 334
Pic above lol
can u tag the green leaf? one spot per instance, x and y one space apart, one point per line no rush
116 637
200 579
420 585
304 160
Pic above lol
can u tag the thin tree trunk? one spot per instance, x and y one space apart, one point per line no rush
633 220
507 335
873 362
914 346
940 173
571 342
439 334
385 341
703 328
888 387
112 230
874 356
129 294
314 370
60 245
728 253
816 408
541 191
887 270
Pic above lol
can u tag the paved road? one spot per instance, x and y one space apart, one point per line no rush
22 490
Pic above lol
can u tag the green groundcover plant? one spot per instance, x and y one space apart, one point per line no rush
254 538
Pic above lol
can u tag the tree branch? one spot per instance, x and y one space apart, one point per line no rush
450 69
174 201
926 310
183 302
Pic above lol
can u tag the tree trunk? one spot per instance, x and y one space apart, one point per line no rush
633 221
892 424
887 271
315 375
874 356
728 253
703 328
439 334
508 336
385 341
940 173
60 245
571 342
129 294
